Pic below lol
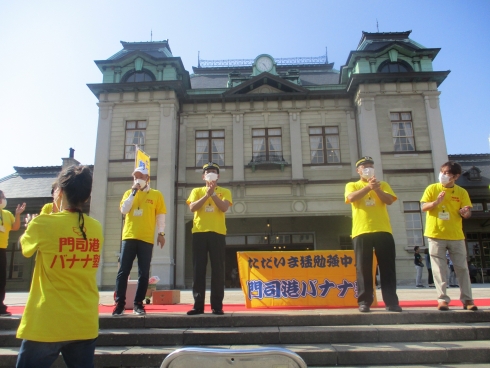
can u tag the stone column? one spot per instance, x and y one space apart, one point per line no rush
296 151
353 144
368 130
101 170
163 260
238 160
181 207
436 130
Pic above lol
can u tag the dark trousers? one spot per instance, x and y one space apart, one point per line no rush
430 279
3 278
213 244
76 354
132 248
384 247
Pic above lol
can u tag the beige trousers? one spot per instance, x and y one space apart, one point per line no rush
457 252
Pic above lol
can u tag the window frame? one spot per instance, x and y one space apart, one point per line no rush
126 130
418 211
267 138
325 151
209 139
400 120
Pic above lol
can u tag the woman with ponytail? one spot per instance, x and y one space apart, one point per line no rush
61 315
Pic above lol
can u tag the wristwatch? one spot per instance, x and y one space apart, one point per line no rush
214 193
162 234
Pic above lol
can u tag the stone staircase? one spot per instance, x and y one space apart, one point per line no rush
322 338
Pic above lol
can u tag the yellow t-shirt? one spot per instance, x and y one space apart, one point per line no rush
142 226
455 199
47 209
6 220
63 300
369 214
209 217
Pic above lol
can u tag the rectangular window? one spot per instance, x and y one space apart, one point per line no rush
402 130
413 223
210 146
477 207
135 135
324 145
267 144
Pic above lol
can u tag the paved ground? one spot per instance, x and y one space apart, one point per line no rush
235 296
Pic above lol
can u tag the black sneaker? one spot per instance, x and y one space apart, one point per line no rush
194 312
118 310
394 308
139 309
363 308
218 312
5 314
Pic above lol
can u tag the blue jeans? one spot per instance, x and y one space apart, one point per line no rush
76 354
132 248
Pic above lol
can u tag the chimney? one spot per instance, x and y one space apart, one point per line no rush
69 161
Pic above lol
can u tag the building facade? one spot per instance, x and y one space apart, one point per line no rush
286 133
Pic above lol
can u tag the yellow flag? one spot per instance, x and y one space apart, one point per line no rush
142 159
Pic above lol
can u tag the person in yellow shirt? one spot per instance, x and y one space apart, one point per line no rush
371 228
447 204
62 310
209 205
144 210
8 222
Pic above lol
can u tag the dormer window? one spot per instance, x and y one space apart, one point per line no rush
143 76
396 67
473 174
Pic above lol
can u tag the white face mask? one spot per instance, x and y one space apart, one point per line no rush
3 203
367 173
141 182
211 177
444 179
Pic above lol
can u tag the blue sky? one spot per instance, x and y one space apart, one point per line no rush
48 47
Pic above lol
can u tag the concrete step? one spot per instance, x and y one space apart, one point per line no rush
342 317
283 335
319 355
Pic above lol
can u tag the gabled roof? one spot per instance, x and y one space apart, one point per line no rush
467 161
265 79
30 182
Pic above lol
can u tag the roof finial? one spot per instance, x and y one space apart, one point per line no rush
151 35
377 26
198 59
326 55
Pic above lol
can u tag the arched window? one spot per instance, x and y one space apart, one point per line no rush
142 76
397 67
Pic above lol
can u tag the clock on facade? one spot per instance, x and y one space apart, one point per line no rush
264 64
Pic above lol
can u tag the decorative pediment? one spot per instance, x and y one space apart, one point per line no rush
265 83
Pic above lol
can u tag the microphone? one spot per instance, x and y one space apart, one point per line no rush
134 191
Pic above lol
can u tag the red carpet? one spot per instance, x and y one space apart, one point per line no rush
179 308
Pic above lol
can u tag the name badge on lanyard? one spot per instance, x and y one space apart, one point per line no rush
370 202
2 228
209 208
443 215
138 212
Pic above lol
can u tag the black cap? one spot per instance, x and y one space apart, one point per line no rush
364 160
210 165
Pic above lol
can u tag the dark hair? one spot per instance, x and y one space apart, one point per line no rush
416 248
76 184
54 186
454 167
